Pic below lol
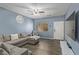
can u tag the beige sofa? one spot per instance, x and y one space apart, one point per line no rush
18 39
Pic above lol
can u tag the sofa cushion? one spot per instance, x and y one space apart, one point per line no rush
23 35
3 52
1 38
6 38
14 36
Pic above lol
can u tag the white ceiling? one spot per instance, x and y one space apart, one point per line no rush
27 9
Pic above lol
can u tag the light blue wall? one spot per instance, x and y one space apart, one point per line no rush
74 44
8 24
49 20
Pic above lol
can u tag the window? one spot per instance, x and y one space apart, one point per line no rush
41 27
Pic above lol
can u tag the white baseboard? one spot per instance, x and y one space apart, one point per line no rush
46 38
51 38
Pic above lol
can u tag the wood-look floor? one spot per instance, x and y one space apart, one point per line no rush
45 47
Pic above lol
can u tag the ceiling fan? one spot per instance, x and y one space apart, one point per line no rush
38 12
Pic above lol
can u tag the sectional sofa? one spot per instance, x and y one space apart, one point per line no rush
13 42
19 39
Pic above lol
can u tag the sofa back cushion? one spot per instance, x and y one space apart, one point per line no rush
1 38
25 35
6 38
14 36
19 35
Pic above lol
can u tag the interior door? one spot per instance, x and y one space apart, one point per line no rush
59 30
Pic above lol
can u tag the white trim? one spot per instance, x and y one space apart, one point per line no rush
46 38
51 38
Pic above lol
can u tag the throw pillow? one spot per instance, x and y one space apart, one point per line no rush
6 38
14 36
1 38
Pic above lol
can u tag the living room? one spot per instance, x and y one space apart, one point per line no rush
37 29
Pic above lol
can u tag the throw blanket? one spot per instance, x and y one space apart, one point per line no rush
7 49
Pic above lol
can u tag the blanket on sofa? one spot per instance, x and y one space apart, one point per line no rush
7 49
